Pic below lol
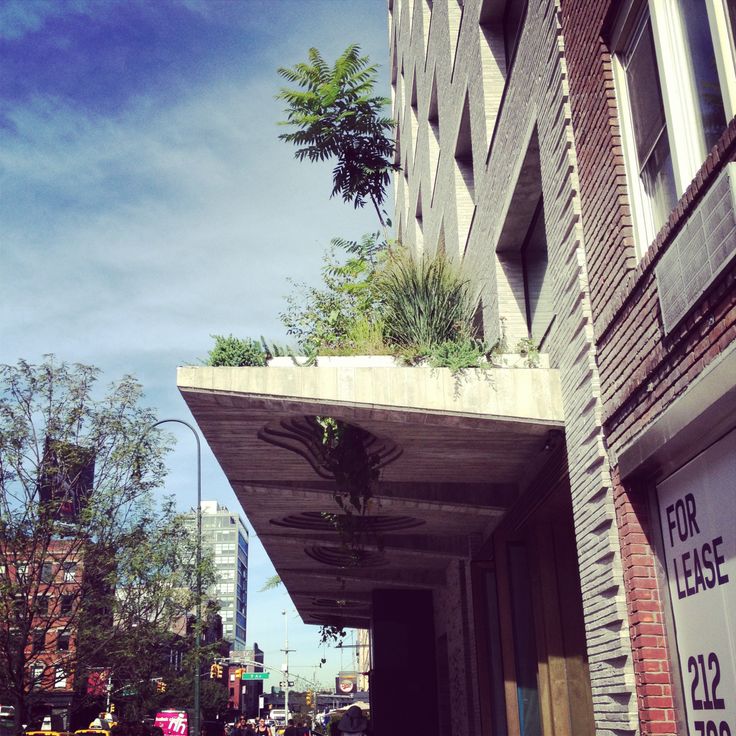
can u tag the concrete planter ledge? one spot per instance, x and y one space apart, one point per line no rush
520 394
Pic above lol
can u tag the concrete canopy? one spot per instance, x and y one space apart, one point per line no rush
466 444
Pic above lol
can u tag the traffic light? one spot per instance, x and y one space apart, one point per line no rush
112 707
213 671
239 673
309 697
219 671
160 686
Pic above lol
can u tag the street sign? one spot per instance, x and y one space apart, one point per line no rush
255 675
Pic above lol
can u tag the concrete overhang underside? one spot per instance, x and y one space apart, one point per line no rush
468 443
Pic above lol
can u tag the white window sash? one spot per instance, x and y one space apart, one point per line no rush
723 43
681 107
642 217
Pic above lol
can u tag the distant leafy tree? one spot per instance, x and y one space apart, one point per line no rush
92 570
337 115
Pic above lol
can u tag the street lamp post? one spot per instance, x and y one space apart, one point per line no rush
286 651
198 623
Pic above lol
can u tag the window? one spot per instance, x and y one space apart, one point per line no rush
60 677
47 572
38 641
37 670
513 17
66 604
42 605
676 86
538 294
62 642
70 571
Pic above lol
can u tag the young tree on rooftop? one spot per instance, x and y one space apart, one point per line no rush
336 114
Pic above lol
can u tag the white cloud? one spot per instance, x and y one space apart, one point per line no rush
128 240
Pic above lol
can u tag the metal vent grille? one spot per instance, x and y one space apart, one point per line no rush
701 250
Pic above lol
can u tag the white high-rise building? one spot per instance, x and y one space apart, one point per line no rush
225 537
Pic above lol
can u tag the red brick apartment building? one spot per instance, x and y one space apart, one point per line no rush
43 616
556 547
652 98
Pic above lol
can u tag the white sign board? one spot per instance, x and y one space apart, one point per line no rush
697 508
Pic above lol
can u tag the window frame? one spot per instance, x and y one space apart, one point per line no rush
684 128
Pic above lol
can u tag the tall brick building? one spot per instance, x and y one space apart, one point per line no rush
556 552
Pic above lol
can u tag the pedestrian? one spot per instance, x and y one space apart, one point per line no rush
240 727
353 723
250 728
290 729
262 729
302 729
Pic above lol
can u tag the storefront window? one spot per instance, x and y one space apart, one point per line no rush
495 671
525 648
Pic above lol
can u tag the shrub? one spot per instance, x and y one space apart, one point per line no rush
425 302
234 351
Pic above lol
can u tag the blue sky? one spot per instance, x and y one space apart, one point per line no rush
146 203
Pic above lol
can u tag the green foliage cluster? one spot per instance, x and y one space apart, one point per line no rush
235 351
78 473
337 115
381 300
425 302
342 315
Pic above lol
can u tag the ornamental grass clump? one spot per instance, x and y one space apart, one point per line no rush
425 302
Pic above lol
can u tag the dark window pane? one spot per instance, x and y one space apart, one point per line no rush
66 604
537 280
645 93
39 642
705 71
658 178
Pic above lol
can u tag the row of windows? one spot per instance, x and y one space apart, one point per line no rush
499 26
38 671
65 572
674 70
38 641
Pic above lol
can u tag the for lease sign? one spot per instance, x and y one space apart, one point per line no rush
697 509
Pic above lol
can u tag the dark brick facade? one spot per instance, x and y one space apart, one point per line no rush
642 371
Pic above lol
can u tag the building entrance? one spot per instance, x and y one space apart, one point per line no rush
532 652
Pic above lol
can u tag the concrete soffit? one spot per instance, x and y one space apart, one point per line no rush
457 449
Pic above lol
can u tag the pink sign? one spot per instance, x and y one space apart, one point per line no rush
173 722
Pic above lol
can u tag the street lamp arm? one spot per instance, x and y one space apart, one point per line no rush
198 623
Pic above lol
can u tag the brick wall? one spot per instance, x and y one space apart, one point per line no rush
510 111
641 371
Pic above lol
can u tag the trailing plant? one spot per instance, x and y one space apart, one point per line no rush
234 351
336 114
465 352
354 468
331 634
